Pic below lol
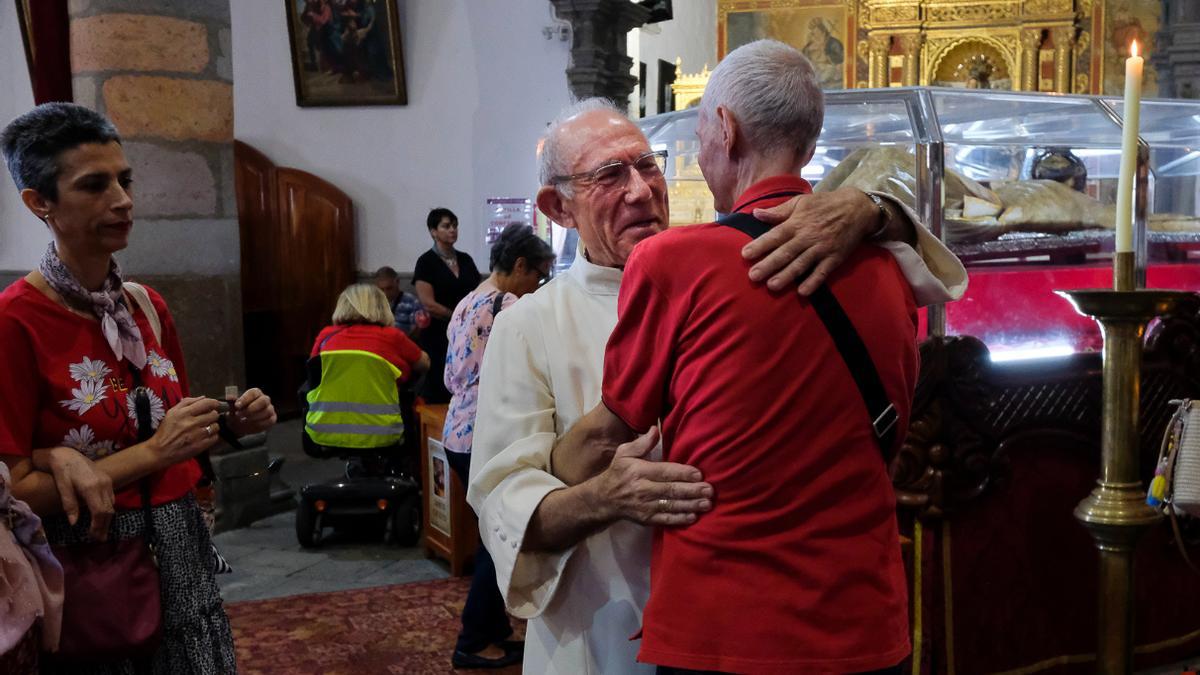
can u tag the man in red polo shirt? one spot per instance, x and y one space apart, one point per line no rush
797 568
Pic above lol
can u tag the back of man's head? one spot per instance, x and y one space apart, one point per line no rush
773 92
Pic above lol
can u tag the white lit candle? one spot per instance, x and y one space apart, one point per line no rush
1129 150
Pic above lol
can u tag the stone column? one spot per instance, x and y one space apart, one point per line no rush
1064 40
162 72
1177 57
600 65
880 45
911 46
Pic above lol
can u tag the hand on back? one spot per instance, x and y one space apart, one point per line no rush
650 492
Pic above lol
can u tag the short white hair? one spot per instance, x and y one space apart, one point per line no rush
552 163
773 92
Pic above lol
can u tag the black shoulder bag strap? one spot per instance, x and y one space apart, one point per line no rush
849 344
498 304
145 429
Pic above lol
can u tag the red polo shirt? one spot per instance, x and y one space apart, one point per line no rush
797 568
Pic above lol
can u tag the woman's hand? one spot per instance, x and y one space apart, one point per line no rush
188 429
252 413
79 479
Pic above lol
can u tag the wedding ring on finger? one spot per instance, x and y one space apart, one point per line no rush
664 504
208 430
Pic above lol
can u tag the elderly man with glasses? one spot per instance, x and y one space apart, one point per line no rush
574 560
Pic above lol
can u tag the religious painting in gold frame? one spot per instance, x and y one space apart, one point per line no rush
346 53
1125 21
824 30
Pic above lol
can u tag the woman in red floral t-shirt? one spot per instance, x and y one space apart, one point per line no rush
76 345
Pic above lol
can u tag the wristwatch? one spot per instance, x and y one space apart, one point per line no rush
885 214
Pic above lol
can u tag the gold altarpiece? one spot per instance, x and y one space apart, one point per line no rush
1023 45
1064 46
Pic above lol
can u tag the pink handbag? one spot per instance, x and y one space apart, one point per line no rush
113 607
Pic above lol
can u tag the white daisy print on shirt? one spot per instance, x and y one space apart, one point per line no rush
161 366
157 412
84 440
99 449
87 396
89 370
80 439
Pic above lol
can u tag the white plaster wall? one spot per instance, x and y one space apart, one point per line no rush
691 35
482 84
22 237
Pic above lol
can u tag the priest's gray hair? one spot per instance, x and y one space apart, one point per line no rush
774 94
552 163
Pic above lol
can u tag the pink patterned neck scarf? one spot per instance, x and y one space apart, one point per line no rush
107 304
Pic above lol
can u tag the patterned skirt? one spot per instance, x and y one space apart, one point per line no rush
196 638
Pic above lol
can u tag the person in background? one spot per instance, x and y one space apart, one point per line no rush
443 277
411 318
76 348
410 314
362 321
520 262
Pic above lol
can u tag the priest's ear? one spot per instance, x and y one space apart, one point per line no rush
556 207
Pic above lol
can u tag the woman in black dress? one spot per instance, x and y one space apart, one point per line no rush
443 277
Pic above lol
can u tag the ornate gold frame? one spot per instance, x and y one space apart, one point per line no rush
1006 41
928 29
688 88
725 7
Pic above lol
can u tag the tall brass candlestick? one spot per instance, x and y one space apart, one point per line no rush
1116 513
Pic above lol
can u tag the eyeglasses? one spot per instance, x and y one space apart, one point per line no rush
614 174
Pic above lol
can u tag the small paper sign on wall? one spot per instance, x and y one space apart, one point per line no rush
438 494
499 213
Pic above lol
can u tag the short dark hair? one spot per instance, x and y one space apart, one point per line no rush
518 241
387 272
436 215
33 142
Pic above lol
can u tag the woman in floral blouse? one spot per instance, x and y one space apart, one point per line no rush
76 345
520 263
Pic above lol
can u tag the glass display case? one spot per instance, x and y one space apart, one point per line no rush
1021 186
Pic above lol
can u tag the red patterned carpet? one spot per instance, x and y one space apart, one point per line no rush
408 628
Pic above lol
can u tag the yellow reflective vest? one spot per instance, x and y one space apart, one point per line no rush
356 404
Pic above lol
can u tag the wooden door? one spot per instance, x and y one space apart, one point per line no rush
297 236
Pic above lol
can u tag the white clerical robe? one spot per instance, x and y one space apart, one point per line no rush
541 372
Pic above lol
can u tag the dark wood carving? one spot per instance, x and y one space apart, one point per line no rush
947 455
966 407
599 63
996 458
